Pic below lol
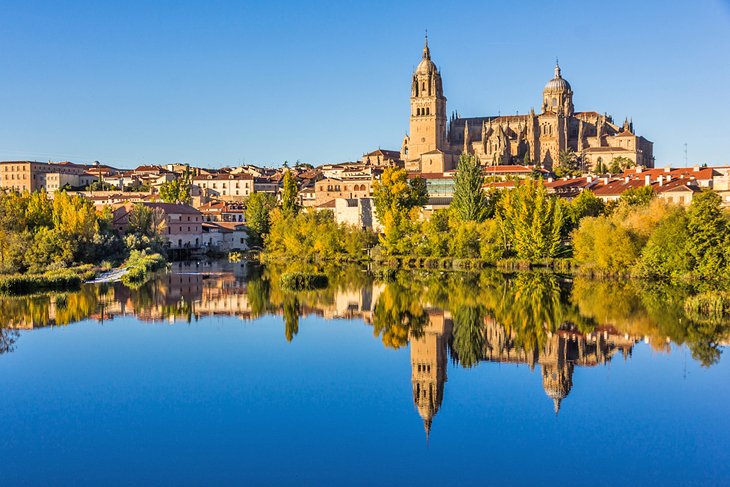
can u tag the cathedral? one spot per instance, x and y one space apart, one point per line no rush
435 141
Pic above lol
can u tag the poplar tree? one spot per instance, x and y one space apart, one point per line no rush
289 194
470 202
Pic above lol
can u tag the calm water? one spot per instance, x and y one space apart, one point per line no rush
213 375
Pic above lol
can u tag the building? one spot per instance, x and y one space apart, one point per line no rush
359 212
433 145
329 189
182 225
382 158
225 236
34 176
230 187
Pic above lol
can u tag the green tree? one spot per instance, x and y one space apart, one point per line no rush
258 210
708 228
666 253
531 221
620 164
394 192
568 164
289 199
637 196
177 190
470 202
584 205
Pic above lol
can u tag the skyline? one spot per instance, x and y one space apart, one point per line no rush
225 84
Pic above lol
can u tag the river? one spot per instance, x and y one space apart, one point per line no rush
211 374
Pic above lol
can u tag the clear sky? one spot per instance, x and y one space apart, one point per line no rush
222 82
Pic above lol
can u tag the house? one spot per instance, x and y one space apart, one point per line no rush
183 224
225 236
233 187
357 212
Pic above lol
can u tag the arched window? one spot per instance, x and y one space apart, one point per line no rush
555 102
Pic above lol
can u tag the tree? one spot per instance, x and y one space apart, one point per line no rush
470 203
620 164
584 205
531 221
258 209
395 193
568 164
708 228
146 221
666 253
637 196
601 167
289 203
178 190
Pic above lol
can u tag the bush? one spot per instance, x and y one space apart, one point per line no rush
301 281
140 265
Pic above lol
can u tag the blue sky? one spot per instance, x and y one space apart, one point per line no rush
217 83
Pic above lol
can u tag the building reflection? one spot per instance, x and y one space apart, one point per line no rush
562 351
429 360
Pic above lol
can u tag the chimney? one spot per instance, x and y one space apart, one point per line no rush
696 168
589 179
626 179
604 180
661 180
647 180
550 180
667 169
638 169
669 177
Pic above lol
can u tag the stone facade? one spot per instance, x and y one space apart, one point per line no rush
433 145
34 176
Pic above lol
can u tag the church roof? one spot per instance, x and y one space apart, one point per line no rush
557 83
426 66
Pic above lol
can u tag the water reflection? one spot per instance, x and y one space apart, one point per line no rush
550 323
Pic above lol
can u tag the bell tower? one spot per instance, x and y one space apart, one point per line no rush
428 110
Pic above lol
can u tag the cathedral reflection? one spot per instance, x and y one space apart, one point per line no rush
563 350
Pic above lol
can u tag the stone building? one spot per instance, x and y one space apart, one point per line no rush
33 176
433 145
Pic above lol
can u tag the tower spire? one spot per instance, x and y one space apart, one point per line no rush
557 68
426 51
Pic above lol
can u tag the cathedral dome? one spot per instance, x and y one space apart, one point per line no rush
557 83
426 66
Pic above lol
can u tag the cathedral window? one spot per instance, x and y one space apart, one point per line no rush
555 102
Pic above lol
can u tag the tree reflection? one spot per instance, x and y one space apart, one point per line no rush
7 340
469 336
398 314
292 310
494 314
